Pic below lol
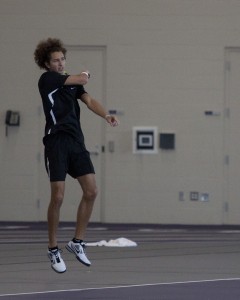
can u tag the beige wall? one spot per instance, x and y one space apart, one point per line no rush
164 68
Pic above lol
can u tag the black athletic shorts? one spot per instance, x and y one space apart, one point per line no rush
64 155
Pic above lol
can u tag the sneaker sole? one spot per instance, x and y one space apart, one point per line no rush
58 271
81 261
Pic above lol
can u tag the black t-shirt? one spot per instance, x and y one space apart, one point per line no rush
60 105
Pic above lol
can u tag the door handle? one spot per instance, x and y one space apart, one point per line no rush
95 152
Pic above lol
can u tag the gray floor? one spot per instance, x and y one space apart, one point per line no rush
168 263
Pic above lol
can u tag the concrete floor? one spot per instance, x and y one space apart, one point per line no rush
168 263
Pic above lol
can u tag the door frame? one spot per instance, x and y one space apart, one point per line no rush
227 160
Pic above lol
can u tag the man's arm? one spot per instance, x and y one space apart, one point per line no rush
80 79
98 109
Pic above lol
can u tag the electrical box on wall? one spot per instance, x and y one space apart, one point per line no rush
167 141
12 118
145 140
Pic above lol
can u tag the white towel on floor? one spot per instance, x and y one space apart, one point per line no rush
120 242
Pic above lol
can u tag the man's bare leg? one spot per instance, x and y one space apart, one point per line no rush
57 194
89 188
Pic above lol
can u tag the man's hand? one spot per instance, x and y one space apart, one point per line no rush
87 73
112 120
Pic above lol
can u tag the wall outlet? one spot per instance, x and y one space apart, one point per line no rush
181 196
194 196
204 197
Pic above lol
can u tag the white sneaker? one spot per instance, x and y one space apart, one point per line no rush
57 262
79 250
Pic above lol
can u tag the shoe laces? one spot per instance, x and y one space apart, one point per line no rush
56 253
83 246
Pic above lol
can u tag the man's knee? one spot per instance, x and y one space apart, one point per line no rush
57 193
90 194
57 198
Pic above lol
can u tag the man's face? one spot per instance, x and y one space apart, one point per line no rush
57 62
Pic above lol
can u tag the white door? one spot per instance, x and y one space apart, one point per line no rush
232 137
78 59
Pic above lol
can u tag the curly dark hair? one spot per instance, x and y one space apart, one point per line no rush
42 54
